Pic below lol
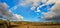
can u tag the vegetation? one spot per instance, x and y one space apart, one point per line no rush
4 24
24 24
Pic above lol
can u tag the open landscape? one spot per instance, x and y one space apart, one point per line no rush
25 24
29 13
36 25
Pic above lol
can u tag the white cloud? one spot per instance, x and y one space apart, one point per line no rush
4 13
37 11
3 8
35 2
33 8
52 1
8 14
49 14
3 5
44 1
19 17
55 11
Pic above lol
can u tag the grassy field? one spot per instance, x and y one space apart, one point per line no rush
25 24
35 25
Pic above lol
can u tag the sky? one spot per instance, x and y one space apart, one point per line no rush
31 10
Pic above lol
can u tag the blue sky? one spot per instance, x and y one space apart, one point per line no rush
25 11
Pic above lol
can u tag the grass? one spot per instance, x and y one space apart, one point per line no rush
25 24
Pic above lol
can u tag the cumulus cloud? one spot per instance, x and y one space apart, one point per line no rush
54 14
19 17
4 13
16 17
3 9
52 1
35 2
